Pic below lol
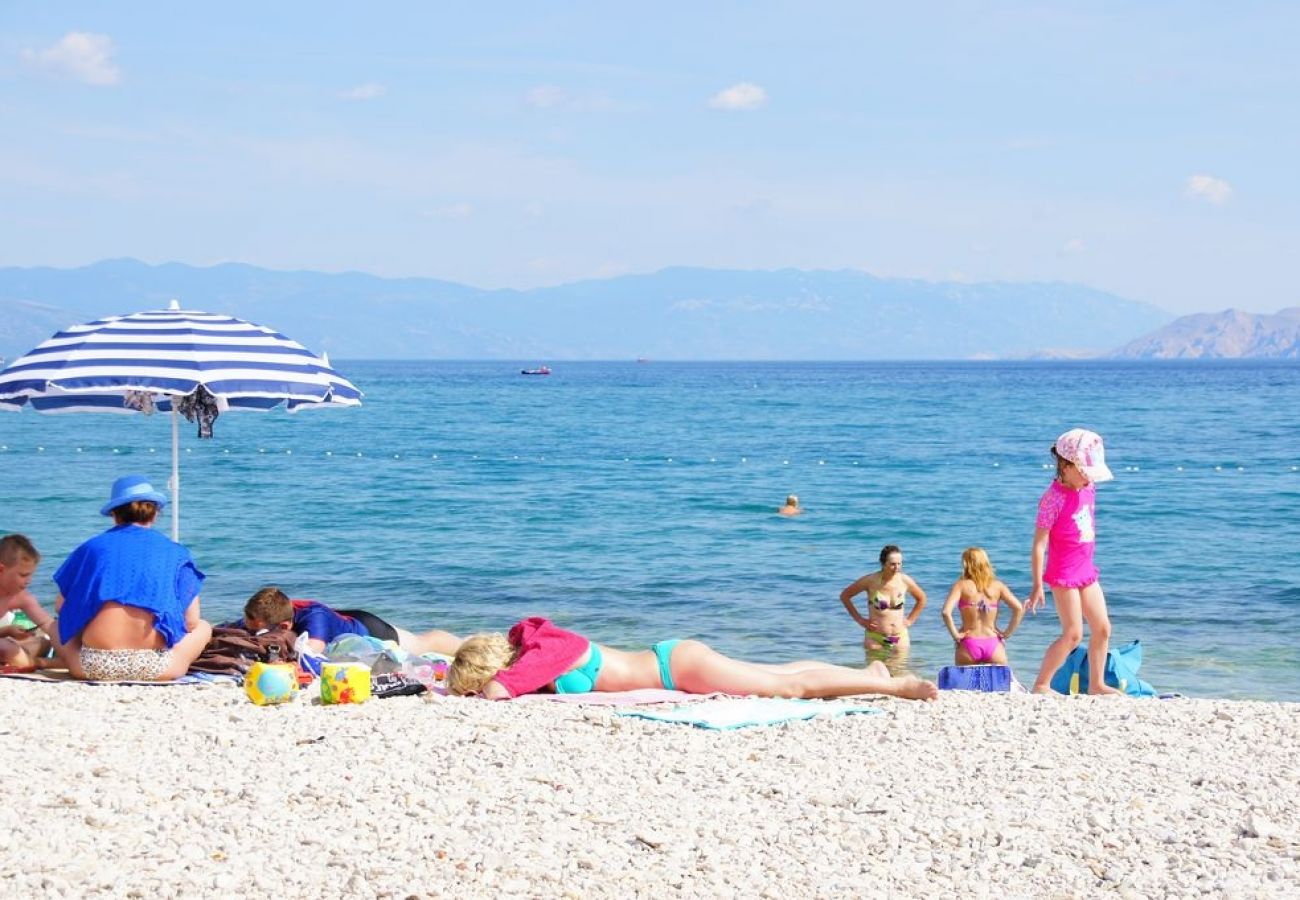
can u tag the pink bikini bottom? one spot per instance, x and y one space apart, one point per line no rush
981 649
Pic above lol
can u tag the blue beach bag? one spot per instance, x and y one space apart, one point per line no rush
1121 671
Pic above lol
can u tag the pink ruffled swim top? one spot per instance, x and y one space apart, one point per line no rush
1070 517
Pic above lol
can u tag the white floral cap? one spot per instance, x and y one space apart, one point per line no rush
1085 450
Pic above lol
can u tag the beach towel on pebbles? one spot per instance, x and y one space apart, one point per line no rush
63 676
745 712
638 697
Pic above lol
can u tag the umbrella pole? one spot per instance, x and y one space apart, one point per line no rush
175 481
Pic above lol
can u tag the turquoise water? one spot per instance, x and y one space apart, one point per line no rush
636 501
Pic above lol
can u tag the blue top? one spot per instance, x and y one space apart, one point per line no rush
322 623
134 566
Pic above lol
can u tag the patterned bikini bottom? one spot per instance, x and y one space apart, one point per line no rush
124 665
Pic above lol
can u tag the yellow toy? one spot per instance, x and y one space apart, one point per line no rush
271 682
344 683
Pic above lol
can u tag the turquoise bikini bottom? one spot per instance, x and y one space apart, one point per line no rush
664 653
581 680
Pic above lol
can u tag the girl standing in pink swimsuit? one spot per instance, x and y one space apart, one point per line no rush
1065 533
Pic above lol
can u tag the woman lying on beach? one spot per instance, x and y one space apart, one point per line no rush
129 605
886 624
977 595
539 656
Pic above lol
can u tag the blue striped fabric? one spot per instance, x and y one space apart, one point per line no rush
168 353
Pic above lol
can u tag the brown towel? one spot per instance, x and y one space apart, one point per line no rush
232 650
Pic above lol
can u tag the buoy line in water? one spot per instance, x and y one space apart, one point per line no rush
665 460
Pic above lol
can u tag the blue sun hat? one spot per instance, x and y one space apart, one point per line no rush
128 489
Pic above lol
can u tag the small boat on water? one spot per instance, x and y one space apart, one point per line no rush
540 370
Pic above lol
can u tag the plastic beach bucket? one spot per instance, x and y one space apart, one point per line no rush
347 682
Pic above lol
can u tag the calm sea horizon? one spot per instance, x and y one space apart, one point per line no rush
636 501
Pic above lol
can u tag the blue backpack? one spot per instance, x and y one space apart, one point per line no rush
1121 672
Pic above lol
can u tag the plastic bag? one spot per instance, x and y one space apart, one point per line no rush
1121 671
308 659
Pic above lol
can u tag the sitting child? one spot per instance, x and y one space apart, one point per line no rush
20 648
977 594
271 607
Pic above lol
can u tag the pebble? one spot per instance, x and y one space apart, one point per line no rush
197 792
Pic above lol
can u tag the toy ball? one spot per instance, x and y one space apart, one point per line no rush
270 683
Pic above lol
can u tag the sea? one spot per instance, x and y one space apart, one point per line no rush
636 501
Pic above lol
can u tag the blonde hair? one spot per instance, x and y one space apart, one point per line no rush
975 565
792 500
478 661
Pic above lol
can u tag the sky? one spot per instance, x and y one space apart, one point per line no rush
1148 149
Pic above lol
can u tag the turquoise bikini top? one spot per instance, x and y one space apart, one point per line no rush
581 680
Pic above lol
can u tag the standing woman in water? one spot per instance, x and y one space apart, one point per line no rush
976 596
886 624
1065 534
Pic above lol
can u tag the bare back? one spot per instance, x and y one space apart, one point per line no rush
979 610
120 627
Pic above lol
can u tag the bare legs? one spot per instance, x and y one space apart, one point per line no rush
1098 619
443 642
21 653
1073 607
186 650
699 669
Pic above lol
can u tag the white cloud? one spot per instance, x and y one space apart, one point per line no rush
368 91
1073 246
742 96
81 55
460 210
548 96
1208 188
544 96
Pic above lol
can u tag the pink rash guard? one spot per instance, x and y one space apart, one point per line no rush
1069 516
546 651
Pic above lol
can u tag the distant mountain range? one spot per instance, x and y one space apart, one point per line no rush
1230 334
676 313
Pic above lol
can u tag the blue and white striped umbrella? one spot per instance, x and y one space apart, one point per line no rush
143 361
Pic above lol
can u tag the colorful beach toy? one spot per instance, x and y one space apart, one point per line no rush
268 683
344 683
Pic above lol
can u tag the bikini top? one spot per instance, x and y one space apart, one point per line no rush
984 604
882 601
582 679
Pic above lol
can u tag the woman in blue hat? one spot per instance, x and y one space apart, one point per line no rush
130 596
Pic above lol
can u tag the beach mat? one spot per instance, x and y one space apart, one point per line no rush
63 676
745 712
638 697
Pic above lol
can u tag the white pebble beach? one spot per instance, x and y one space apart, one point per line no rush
124 791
